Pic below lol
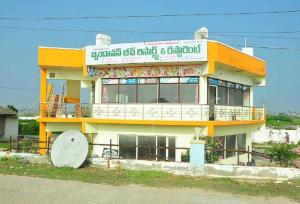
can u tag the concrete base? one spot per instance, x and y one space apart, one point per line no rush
178 168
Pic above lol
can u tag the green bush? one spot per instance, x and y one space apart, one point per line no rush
211 146
28 127
185 157
280 117
282 154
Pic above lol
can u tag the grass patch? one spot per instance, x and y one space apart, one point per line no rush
17 166
4 145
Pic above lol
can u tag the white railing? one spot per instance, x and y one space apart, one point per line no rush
162 111
228 113
151 111
184 112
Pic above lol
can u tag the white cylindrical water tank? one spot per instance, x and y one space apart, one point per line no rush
102 39
201 33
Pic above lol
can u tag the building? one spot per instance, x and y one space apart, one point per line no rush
8 123
157 95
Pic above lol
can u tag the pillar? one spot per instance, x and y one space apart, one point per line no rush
42 138
197 153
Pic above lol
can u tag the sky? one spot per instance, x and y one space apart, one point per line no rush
18 48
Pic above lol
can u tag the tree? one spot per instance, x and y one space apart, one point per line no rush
282 154
11 107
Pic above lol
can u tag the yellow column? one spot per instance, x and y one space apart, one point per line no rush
210 131
42 138
43 99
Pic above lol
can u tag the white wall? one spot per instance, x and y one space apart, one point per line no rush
266 134
11 127
225 73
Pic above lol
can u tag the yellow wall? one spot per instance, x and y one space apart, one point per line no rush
60 57
220 53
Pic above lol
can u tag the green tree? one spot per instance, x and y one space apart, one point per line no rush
282 154
11 107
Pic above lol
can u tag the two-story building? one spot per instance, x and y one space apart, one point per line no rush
152 97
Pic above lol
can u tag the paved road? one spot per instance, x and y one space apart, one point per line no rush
18 189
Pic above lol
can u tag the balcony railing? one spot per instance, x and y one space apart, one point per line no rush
176 112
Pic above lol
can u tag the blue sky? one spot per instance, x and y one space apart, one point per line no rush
18 48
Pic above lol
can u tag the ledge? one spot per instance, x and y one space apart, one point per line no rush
149 122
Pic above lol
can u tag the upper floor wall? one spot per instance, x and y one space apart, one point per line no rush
211 55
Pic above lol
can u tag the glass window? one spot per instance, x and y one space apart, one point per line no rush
222 95
161 148
127 146
168 93
231 97
146 149
109 93
188 93
171 148
246 96
230 145
147 93
241 141
189 80
239 97
127 93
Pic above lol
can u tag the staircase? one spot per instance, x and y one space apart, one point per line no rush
55 102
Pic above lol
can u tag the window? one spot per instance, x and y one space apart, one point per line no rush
147 90
239 95
188 90
127 91
171 149
168 90
222 94
231 93
161 148
228 93
127 148
151 90
230 145
109 93
246 96
241 141
146 149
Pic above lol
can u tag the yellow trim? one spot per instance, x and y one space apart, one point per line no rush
60 57
71 100
149 122
220 53
60 120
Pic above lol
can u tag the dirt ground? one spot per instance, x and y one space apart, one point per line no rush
19 189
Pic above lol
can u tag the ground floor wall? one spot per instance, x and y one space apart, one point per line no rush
238 136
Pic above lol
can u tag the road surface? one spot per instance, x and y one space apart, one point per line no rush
19 189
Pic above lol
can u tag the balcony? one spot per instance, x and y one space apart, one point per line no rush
151 112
